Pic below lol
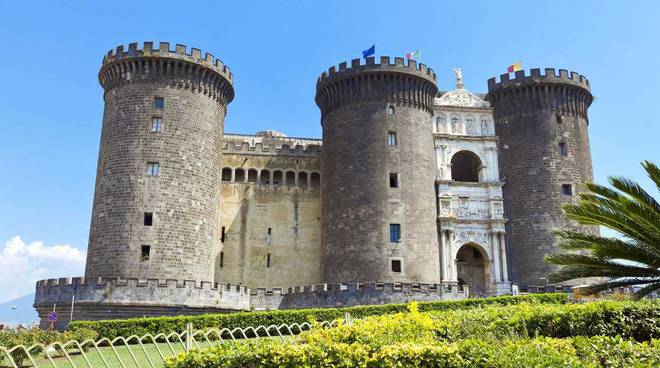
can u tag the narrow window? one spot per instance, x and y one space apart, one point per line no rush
394 180
559 119
148 218
567 189
396 265
395 233
153 168
159 103
268 261
269 237
563 150
223 235
144 255
156 125
390 110
391 139
222 259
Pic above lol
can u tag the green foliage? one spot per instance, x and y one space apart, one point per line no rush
630 259
417 339
31 336
154 325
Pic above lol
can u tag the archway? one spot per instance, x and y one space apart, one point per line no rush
465 166
472 268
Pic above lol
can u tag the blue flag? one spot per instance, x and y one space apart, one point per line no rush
370 51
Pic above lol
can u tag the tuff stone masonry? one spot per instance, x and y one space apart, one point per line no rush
401 200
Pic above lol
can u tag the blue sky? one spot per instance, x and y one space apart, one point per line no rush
51 104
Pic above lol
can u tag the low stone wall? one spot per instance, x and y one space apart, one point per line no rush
352 294
114 298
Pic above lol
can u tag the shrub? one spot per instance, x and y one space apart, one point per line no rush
636 320
154 325
31 336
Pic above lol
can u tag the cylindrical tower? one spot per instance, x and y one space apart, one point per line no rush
541 122
157 182
377 192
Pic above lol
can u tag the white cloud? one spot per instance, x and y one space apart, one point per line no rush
21 265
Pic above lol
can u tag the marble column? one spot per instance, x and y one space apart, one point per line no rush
505 273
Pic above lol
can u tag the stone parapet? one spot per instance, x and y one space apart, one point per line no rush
274 149
352 294
112 298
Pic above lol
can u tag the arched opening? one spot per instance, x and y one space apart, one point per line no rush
277 177
290 178
390 110
226 174
465 166
252 175
264 177
472 268
316 179
302 179
239 175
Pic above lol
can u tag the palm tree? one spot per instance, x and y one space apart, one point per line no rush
633 258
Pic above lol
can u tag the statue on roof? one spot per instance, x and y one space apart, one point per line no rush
459 78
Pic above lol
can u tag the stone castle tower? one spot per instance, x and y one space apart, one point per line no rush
378 193
412 194
541 122
159 164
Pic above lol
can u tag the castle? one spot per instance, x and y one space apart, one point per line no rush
412 194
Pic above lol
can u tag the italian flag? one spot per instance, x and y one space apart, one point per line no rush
514 67
413 55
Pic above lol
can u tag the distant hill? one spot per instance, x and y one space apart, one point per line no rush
24 313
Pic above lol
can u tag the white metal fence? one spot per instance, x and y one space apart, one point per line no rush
138 352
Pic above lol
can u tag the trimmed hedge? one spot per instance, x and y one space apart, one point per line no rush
635 320
576 352
488 337
154 325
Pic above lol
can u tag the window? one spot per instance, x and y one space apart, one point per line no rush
394 180
144 255
269 237
153 168
396 265
268 261
223 235
226 174
559 119
222 259
567 189
148 218
390 110
159 103
563 150
156 125
391 139
395 233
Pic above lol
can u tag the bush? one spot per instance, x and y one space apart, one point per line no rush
636 320
34 335
418 339
154 325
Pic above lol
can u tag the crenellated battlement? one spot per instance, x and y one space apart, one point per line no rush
400 65
401 83
163 50
355 293
259 148
184 67
102 282
561 76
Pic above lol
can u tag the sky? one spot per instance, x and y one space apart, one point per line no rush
51 104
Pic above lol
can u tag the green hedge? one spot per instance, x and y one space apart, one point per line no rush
635 320
153 325
30 336
455 339
576 352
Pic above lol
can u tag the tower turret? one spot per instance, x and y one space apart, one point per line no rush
541 122
378 196
156 197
